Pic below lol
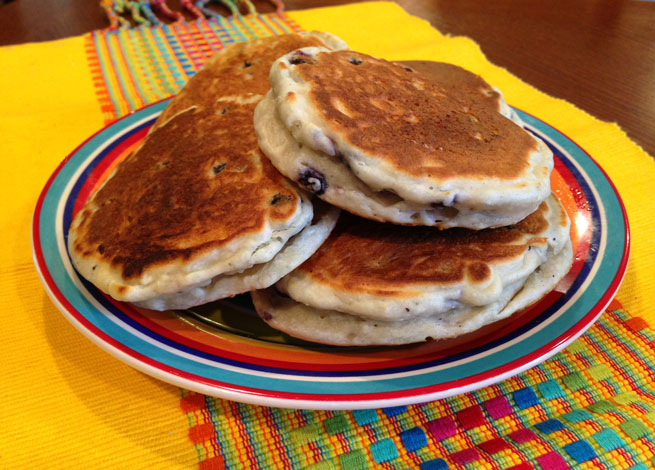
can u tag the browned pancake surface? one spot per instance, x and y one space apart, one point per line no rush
454 76
196 184
364 256
421 127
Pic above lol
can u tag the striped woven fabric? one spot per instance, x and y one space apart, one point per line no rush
134 67
590 406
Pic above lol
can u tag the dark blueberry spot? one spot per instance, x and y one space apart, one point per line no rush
224 111
94 268
300 57
300 60
246 64
355 61
276 198
408 69
267 316
101 249
406 309
218 168
280 197
312 181
511 227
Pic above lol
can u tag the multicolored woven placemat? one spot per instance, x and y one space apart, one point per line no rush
590 406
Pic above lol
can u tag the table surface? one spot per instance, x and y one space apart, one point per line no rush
596 54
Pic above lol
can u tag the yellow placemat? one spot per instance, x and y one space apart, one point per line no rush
64 402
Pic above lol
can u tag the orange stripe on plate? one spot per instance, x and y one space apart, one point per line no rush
563 192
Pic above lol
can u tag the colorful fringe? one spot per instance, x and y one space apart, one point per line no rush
551 417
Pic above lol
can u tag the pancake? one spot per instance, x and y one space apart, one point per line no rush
387 142
375 284
297 249
341 329
198 201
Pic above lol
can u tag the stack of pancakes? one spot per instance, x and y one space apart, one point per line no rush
448 222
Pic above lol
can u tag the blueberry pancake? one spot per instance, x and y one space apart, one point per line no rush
197 212
390 143
381 284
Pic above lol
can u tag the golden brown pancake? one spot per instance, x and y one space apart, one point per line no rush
198 199
169 200
422 269
368 257
415 124
410 283
430 141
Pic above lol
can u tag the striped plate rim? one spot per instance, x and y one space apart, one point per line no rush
219 371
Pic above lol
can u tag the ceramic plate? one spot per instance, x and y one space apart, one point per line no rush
223 349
